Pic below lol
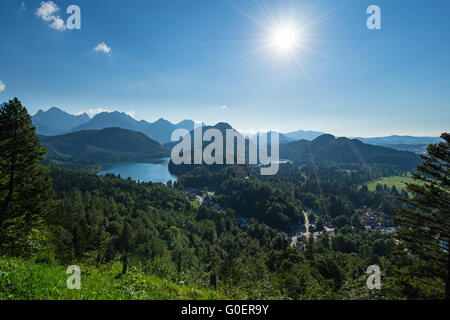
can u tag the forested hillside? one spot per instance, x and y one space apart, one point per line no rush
107 145
328 149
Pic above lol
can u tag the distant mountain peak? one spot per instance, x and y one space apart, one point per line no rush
56 109
400 140
55 121
303 135
162 120
223 126
160 130
188 125
325 138
184 122
50 110
115 113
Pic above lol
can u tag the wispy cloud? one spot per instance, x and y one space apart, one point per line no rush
2 86
102 47
47 12
23 7
223 107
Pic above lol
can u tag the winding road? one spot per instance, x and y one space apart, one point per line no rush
294 239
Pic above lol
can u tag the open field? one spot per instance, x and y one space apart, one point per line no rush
398 181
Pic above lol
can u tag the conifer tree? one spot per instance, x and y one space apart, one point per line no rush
25 188
424 231
125 246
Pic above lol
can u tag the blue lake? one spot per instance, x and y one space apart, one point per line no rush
156 171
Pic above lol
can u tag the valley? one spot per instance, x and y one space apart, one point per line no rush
275 151
110 199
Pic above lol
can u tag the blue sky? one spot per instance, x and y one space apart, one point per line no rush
209 60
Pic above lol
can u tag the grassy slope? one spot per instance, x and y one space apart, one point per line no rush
398 181
25 280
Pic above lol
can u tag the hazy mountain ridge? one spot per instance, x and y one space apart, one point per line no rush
303 135
160 130
57 122
400 140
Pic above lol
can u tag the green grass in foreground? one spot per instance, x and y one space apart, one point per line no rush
25 280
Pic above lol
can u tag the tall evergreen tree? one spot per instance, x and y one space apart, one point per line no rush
424 231
24 185
125 246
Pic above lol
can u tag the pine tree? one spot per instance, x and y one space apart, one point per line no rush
424 231
125 246
25 188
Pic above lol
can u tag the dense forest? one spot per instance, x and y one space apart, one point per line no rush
236 245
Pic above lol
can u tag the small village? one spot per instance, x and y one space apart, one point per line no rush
376 220
371 219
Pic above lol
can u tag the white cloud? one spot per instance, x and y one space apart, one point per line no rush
2 86
47 12
23 7
223 107
130 113
58 24
102 47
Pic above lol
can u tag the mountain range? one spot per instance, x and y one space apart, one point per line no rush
303 135
400 140
327 148
119 145
57 122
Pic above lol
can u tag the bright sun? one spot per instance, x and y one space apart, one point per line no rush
285 39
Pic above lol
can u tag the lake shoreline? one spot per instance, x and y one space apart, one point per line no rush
156 170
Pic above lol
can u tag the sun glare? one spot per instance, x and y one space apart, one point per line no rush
285 39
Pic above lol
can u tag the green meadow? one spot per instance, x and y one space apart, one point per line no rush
397 181
26 280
